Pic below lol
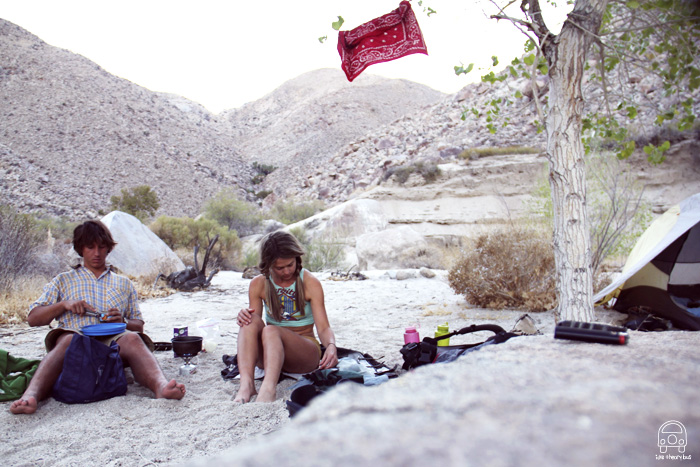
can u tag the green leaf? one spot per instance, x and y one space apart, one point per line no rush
633 4
337 24
631 112
529 59
460 70
627 150
494 59
518 94
322 39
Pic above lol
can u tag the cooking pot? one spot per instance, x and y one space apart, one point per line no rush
187 345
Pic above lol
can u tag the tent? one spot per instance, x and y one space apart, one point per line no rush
662 272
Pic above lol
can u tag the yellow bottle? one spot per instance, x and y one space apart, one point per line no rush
443 329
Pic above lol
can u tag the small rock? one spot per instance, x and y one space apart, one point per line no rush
403 275
251 272
427 273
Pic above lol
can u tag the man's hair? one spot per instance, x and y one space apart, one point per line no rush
91 233
276 245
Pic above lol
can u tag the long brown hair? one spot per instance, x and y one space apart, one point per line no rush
273 246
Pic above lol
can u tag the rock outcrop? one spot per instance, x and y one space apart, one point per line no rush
139 252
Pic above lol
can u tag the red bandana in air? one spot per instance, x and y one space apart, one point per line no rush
383 39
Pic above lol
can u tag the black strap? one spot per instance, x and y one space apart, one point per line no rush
494 328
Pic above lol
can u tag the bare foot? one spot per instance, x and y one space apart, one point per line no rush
266 395
171 390
26 406
245 392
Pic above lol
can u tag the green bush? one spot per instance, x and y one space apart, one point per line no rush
227 210
429 172
139 201
20 238
323 253
185 233
251 258
289 212
495 151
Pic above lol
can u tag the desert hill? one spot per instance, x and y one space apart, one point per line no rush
74 135
308 119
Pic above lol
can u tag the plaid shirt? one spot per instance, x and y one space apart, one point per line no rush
110 290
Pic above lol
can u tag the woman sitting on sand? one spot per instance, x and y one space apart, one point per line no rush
293 302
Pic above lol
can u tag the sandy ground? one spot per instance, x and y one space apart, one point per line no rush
369 316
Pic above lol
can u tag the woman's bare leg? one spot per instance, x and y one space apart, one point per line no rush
284 349
249 353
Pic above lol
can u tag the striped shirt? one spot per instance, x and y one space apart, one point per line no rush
110 290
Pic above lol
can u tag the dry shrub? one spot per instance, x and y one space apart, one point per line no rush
145 287
508 268
14 305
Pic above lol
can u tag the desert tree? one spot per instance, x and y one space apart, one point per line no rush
658 37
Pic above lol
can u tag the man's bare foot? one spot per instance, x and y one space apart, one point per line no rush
245 392
266 395
24 405
171 390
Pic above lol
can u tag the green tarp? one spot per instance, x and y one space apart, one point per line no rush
15 374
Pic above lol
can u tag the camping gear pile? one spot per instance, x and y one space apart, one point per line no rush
661 277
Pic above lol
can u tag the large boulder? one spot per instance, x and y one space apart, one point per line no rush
139 252
348 220
399 247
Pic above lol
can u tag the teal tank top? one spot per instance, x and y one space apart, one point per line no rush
291 317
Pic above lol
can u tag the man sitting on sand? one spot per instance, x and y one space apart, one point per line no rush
89 288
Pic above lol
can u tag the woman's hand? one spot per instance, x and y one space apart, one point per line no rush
330 357
245 316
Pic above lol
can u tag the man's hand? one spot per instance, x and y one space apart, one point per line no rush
79 307
113 315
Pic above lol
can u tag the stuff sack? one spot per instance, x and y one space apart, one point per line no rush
92 371
416 354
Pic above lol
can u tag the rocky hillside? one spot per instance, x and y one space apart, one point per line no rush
73 135
304 122
438 134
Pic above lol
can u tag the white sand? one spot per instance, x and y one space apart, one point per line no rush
136 429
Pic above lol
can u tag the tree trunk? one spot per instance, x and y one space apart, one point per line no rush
566 57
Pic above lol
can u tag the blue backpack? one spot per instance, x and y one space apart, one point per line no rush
92 371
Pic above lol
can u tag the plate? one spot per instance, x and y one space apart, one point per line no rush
103 329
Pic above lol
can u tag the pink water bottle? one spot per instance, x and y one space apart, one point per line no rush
411 335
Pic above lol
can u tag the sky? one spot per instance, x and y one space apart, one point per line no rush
224 53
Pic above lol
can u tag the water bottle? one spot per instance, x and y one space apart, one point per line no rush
411 335
443 329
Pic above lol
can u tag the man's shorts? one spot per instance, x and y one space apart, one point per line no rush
54 334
